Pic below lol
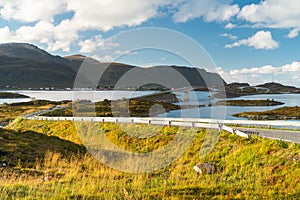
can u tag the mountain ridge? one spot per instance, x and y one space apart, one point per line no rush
26 66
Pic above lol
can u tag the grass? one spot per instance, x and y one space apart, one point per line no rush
107 108
261 102
279 113
10 95
252 168
24 148
9 112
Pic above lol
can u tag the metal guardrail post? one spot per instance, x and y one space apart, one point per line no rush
220 127
234 131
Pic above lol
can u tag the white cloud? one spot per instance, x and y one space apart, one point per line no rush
273 14
99 15
286 74
97 42
105 58
105 15
260 40
59 37
230 36
267 69
88 15
213 10
121 53
230 26
5 34
293 33
108 14
294 67
31 10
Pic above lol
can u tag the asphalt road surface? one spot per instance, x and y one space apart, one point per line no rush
286 135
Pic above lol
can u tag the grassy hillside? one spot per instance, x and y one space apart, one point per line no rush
253 168
24 148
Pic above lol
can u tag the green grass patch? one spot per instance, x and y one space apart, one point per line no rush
279 114
252 168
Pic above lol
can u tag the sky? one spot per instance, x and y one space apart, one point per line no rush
249 41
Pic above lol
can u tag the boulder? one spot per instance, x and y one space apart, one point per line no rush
205 168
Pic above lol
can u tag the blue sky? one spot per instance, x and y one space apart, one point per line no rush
249 41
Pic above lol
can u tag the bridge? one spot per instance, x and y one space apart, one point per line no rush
185 91
260 128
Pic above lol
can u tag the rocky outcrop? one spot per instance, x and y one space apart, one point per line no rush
205 168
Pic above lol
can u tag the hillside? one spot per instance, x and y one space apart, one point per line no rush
9 95
242 102
252 168
243 89
135 75
278 88
9 112
284 113
24 66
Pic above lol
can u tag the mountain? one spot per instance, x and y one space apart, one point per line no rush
279 88
125 76
25 66
243 89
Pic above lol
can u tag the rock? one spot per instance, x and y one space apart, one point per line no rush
47 176
4 164
205 168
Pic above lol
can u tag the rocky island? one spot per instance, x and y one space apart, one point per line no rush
284 113
9 95
233 90
266 102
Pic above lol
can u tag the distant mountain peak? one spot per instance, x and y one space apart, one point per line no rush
27 66
20 44
75 57
25 46
23 50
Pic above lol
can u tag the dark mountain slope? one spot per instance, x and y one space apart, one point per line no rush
26 66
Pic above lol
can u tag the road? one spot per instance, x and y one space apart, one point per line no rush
28 116
286 135
292 135
267 90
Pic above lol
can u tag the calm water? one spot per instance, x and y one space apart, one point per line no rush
75 95
14 100
225 112
196 98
